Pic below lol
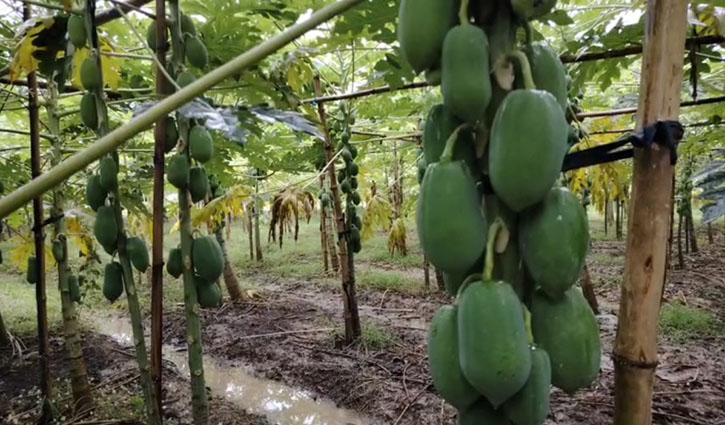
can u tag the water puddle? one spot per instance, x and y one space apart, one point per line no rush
281 404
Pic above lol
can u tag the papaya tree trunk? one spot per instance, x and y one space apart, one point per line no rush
680 253
350 311
134 308
45 383
426 273
691 227
199 399
250 230
257 211
230 278
618 218
687 232
440 280
81 389
588 289
671 237
331 245
323 227
635 345
4 334
606 217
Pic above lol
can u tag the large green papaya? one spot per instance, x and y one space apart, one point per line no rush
187 25
90 74
198 184
465 80
422 27
507 265
171 136
527 147
439 125
567 329
95 193
554 240
89 113
493 342
445 368
77 31
451 227
31 274
207 257
151 35
209 294
74 289
201 145
113 281
529 9
175 263
108 173
185 78
547 71
481 413
530 406
196 52
105 228
177 171
137 253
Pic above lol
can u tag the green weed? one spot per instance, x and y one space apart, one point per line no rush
382 280
681 323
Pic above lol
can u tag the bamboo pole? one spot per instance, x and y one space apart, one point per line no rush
323 226
46 415
106 144
635 346
157 243
350 311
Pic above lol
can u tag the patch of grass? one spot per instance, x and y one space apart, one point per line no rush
17 304
383 280
607 260
682 323
373 337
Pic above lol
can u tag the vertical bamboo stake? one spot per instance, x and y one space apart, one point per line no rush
635 347
257 211
350 311
250 228
323 227
46 415
199 399
157 240
134 308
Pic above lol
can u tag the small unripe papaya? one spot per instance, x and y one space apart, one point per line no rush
95 193
172 135
196 52
90 74
77 31
177 172
31 275
137 253
198 184
187 25
113 281
184 79
175 263
89 112
105 228
108 173
201 145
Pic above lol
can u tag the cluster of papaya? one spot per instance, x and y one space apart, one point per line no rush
347 177
194 49
179 172
90 73
207 263
510 242
58 248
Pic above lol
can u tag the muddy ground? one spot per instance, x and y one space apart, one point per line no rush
286 336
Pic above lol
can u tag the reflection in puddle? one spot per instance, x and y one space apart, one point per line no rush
281 404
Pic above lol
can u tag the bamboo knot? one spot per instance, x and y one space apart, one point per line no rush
638 364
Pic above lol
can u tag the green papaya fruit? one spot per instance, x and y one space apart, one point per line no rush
105 227
185 78
353 149
89 113
345 187
110 249
207 257
445 368
354 169
422 28
554 240
547 71
529 9
451 228
493 342
171 136
341 176
95 193
1 257
439 125
356 246
421 165
567 329
187 25
355 234
198 184
201 145
31 274
175 263
526 148
77 31
177 171
209 294
108 173
433 76
58 251
481 413
325 200
530 406
151 35
507 265
353 183
196 52
357 222
355 197
90 74
465 81
113 281
74 289
137 253
346 155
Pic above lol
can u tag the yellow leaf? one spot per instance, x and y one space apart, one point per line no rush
24 249
24 60
111 69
